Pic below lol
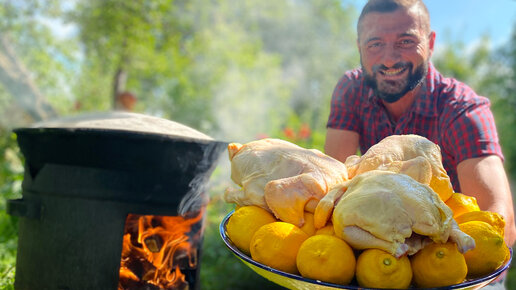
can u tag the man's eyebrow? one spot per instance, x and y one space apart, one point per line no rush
404 34
407 34
374 38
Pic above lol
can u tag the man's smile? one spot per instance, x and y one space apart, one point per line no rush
393 72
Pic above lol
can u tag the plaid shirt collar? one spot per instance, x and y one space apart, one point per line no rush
425 104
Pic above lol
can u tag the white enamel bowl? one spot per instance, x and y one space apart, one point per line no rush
292 281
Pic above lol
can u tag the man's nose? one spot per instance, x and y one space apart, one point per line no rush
391 55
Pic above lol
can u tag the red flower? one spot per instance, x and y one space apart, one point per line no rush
289 133
304 132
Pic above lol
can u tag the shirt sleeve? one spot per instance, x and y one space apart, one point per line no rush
344 107
472 131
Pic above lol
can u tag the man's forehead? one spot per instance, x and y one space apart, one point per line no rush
399 22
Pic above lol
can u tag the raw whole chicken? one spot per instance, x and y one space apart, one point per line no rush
415 155
393 212
281 177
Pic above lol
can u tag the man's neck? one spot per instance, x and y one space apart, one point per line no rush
400 107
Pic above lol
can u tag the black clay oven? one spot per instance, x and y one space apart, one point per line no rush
86 176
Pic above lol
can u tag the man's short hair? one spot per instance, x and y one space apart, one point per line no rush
386 6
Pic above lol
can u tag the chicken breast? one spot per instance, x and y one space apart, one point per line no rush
413 155
281 176
395 213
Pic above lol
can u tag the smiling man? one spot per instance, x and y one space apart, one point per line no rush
398 91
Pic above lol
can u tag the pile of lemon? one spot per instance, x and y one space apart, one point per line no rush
320 255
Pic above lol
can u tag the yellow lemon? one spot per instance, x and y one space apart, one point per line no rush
326 230
438 265
460 203
276 245
326 258
490 249
244 222
442 186
308 227
494 219
379 269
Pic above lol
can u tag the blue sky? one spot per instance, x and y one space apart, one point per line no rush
468 20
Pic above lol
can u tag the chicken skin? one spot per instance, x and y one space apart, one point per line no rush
413 155
281 177
395 213
393 199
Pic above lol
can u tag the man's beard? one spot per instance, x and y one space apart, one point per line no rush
392 91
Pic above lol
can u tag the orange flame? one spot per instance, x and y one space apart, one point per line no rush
156 249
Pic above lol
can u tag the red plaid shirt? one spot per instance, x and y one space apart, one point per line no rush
447 112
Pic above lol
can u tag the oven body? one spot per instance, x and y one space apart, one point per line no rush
80 185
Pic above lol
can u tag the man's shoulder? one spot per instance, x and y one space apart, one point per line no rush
354 75
351 89
352 81
449 89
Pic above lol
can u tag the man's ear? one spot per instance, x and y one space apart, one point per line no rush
431 42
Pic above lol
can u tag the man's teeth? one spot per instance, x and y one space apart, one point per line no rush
392 71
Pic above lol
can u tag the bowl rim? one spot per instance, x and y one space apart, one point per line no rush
229 244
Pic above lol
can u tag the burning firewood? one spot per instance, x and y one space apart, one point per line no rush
157 251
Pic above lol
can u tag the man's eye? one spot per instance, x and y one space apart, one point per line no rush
374 46
405 43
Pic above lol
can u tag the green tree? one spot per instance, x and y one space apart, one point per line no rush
234 69
32 73
178 58
500 83
316 42
33 70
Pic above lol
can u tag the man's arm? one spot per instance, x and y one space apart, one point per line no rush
341 143
485 179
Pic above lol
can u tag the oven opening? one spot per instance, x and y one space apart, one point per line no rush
160 252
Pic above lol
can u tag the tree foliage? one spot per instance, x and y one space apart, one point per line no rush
25 26
234 69
500 82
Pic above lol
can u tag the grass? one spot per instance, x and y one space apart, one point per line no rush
511 278
8 244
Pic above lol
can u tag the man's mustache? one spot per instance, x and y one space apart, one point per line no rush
397 65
